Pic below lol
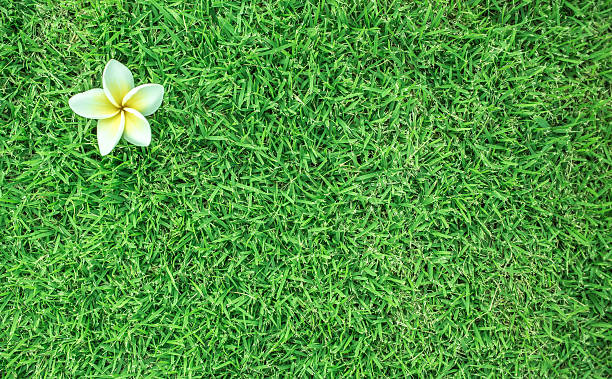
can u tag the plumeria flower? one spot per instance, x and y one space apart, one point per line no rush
120 108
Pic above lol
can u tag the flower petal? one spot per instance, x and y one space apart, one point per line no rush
137 129
145 98
117 81
92 104
109 132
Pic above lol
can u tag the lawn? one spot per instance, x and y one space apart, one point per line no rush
333 189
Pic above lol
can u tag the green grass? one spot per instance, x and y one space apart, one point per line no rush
334 189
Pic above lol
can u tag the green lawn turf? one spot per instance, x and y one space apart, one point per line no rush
334 189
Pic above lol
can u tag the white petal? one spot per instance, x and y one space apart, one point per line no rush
109 132
145 98
92 104
137 129
117 81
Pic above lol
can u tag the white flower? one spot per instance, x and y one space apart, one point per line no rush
119 108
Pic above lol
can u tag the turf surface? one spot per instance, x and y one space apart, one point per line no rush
334 189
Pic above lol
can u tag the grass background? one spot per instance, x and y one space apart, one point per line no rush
334 188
